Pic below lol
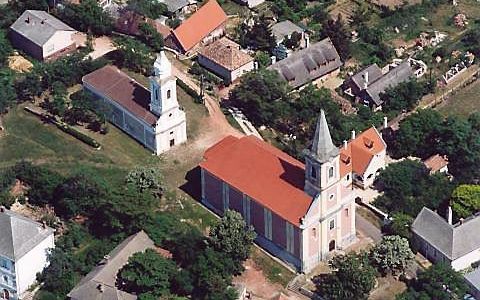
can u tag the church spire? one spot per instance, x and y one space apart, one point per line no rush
323 147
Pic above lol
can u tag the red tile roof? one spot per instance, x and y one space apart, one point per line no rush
261 171
208 18
359 152
119 87
436 162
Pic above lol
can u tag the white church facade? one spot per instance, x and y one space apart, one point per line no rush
152 117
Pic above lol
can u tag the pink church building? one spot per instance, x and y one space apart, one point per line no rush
302 213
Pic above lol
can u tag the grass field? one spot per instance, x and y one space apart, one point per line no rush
463 103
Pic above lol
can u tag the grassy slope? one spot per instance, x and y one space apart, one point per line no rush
465 102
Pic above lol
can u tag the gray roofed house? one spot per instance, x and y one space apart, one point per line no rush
362 79
100 283
285 28
24 246
41 35
180 7
309 64
19 235
456 244
403 72
473 280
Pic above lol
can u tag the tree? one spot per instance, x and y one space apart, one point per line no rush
145 178
293 42
418 134
263 59
233 237
439 282
212 272
87 16
151 36
403 96
408 186
392 255
5 49
400 225
466 200
339 36
78 195
150 9
8 94
134 54
59 275
352 278
257 37
147 272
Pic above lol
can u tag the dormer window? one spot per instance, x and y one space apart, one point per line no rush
368 143
169 94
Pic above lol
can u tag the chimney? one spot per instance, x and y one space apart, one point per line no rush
307 41
385 122
365 78
273 59
44 225
255 65
353 134
345 144
27 20
449 215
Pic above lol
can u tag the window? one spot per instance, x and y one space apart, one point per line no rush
346 212
5 279
331 224
331 197
171 132
313 172
172 142
169 94
330 172
331 245
170 114
348 177
314 232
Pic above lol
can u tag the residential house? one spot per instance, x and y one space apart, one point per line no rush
437 164
357 83
180 8
286 28
473 281
202 28
129 21
366 153
41 35
441 241
372 89
24 246
152 117
302 213
313 64
100 283
225 58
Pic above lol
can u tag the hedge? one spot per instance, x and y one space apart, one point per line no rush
83 137
189 90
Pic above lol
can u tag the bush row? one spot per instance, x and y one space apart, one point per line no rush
196 96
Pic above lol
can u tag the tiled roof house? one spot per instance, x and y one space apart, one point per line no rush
225 58
203 27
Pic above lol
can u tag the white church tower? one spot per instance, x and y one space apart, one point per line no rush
171 127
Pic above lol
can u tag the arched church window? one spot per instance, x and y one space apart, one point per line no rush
313 172
314 232
331 245
169 94
330 172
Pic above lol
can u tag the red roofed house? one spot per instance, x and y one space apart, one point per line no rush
301 213
364 156
203 27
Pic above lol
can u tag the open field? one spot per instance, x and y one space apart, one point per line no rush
464 102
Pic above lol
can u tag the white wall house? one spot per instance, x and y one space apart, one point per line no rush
24 245
441 241
41 35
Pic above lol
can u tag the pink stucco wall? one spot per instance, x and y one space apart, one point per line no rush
346 220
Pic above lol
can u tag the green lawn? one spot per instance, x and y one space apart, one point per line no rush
465 102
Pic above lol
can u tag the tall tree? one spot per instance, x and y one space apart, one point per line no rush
233 237
5 49
151 36
392 255
352 278
466 200
147 272
8 94
336 31
259 36
439 282
87 16
134 54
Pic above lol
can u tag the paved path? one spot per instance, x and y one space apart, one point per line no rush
367 228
